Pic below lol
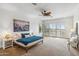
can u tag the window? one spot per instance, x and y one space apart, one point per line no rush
52 26
62 26
56 26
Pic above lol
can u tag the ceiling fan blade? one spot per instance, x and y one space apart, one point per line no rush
34 4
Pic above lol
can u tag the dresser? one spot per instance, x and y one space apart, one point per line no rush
7 43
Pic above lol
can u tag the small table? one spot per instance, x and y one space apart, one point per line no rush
7 43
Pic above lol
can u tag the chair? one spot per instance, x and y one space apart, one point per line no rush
74 40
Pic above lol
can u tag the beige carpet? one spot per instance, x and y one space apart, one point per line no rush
52 47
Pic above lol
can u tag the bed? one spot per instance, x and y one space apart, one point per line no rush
29 41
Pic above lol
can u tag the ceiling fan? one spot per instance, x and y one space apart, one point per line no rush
44 12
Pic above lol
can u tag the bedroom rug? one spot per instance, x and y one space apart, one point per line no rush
52 47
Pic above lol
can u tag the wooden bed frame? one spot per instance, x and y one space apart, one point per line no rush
28 45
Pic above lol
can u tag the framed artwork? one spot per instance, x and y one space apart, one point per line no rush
20 25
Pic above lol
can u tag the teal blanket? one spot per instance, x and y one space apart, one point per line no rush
31 39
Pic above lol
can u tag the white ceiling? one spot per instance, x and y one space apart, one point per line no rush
58 9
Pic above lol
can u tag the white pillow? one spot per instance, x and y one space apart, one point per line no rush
26 36
17 36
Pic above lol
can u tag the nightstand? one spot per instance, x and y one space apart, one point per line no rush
7 43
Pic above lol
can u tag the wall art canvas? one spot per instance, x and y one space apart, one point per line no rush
20 25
